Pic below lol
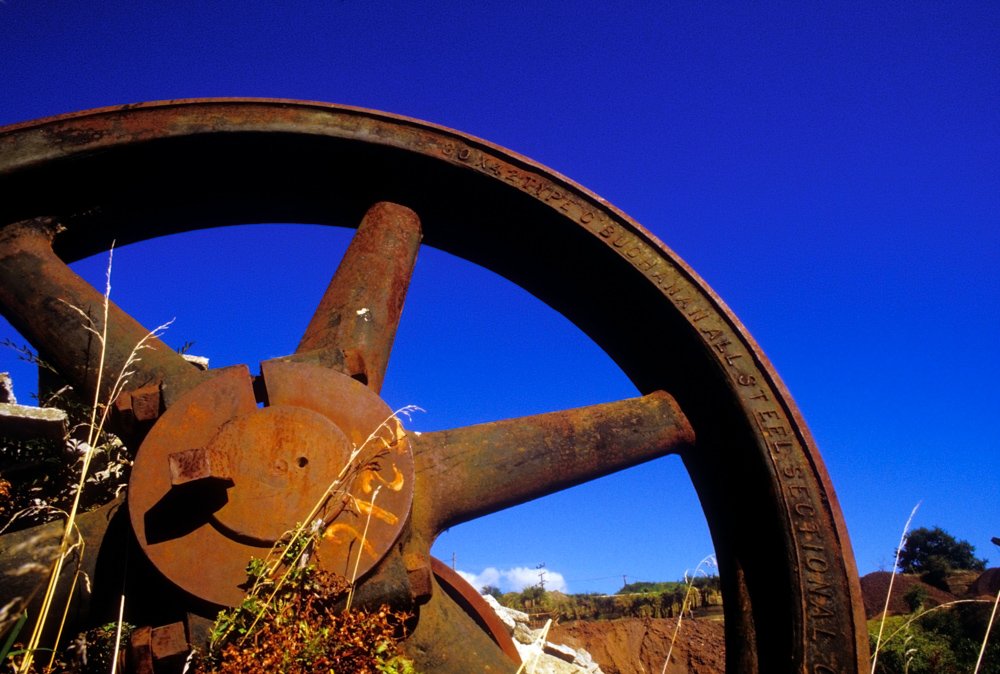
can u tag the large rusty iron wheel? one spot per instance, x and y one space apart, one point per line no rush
73 184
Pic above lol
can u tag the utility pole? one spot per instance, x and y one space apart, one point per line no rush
541 575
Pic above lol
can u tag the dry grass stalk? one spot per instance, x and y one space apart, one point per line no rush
118 636
361 549
685 604
986 637
98 416
538 647
72 588
888 595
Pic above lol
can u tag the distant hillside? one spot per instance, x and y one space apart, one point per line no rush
635 600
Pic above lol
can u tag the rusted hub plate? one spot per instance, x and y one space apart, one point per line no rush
219 480
281 460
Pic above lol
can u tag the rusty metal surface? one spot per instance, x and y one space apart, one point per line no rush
26 557
53 308
172 524
360 310
468 472
158 650
280 460
170 647
448 639
382 487
140 651
475 605
792 597
219 480
200 463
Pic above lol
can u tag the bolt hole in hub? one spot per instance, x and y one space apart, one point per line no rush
789 581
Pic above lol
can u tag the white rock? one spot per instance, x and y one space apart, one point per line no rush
508 616
7 389
543 663
584 660
200 362
547 658
559 651
523 634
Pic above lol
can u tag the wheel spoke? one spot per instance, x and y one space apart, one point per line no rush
26 559
61 314
472 471
354 326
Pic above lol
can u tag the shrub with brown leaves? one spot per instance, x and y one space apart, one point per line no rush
306 631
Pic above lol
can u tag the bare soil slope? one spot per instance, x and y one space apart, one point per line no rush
637 645
875 586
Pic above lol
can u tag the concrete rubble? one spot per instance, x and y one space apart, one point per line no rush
541 656
24 421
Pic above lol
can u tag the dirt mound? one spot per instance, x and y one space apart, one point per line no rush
875 585
960 582
634 645
988 584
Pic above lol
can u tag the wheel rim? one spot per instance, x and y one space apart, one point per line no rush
789 580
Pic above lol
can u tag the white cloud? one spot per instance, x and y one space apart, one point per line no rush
469 578
514 579
488 576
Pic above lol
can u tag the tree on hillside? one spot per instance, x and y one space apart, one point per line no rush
933 553
492 590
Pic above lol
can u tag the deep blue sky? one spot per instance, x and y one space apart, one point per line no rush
832 171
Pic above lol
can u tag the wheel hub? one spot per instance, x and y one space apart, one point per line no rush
282 459
219 479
